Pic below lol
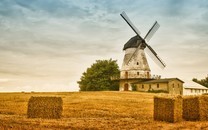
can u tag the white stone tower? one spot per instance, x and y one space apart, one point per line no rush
135 66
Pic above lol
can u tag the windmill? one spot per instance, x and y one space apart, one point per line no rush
135 65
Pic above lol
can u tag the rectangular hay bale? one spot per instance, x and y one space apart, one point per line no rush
45 107
195 108
191 108
203 100
168 108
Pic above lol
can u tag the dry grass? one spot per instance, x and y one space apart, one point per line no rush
45 107
168 108
89 110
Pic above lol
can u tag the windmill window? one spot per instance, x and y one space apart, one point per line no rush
126 75
150 86
137 73
158 85
142 85
137 63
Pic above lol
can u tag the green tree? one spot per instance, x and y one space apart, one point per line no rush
98 76
203 82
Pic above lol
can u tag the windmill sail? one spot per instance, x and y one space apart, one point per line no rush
126 18
133 53
155 57
152 31
149 49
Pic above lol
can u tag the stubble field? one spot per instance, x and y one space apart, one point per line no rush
89 110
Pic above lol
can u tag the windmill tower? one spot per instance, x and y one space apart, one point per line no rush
135 66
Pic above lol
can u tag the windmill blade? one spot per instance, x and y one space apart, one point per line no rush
155 57
152 31
126 18
133 54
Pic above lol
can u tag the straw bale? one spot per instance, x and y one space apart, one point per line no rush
45 107
191 108
203 100
195 108
168 108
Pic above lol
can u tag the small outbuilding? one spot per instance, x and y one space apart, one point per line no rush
193 88
168 85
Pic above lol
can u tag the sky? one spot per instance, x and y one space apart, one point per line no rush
46 45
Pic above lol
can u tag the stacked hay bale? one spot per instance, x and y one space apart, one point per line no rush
168 108
45 107
203 100
195 108
191 108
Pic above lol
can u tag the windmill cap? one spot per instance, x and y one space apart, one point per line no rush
134 42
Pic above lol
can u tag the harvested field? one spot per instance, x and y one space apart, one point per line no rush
89 110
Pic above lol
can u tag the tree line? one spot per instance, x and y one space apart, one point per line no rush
203 82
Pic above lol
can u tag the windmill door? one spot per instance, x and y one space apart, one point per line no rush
126 87
148 75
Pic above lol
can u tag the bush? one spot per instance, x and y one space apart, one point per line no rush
134 87
157 91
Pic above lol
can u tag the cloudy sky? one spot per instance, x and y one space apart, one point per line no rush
46 45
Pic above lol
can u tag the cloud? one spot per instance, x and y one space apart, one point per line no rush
4 80
57 40
174 8
54 8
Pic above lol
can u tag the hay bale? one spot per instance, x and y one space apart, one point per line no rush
45 107
191 108
195 108
168 108
203 100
